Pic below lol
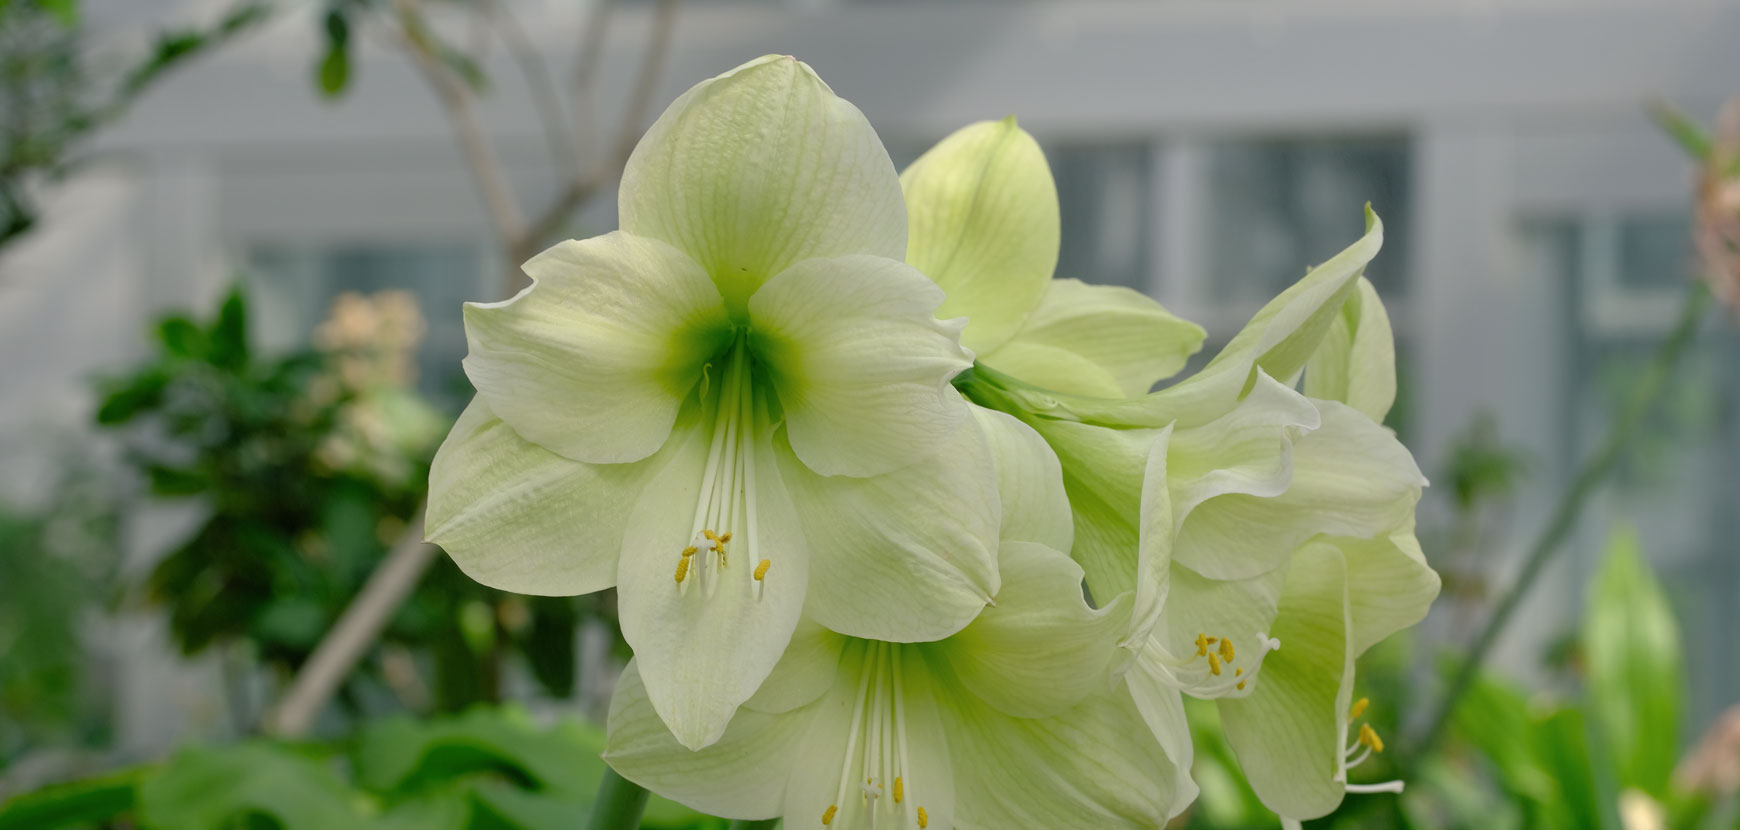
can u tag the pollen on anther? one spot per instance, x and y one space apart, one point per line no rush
724 537
923 819
828 815
1214 664
899 792
1240 686
1202 643
1358 709
1238 672
682 569
688 552
1369 737
1226 650
761 569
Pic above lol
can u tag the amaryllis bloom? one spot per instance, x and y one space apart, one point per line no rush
735 408
1018 720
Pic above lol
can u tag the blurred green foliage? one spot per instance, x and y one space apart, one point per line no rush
486 769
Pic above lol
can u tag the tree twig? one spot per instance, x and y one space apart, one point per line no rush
551 112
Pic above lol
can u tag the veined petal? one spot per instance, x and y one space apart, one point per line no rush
1290 732
905 556
517 517
805 671
593 360
705 647
982 218
1157 531
1029 482
1096 765
1041 649
760 168
861 365
1356 362
1162 708
1101 341
1103 471
1389 585
728 778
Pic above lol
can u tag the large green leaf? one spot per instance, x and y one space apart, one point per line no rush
248 785
94 801
1636 668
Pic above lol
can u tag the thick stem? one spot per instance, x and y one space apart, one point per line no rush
619 804
1564 519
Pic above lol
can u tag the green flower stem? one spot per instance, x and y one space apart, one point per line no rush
1644 397
755 824
618 805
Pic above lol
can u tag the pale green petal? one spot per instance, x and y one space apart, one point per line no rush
594 359
1041 650
1097 340
1029 482
730 778
760 168
805 672
1162 708
1389 585
835 769
705 649
982 213
1350 477
1249 450
1290 732
1356 362
1240 610
1156 533
861 365
904 556
1096 765
1103 471
517 517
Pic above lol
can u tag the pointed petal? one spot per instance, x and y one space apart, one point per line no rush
861 365
520 518
1162 708
704 652
904 556
1290 732
760 168
729 778
1097 340
593 360
982 213
1356 362
1029 482
1041 649
1096 765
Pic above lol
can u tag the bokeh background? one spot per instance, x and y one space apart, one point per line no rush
239 235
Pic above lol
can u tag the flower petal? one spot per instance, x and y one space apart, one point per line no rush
1029 482
760 168
1356 362
593 360
1041 649
1103 471
805 671
1096 765
704 650
1289 733
1390 586
1102 341
728 778
982 213
861 365
1240 610
904 556
1162 708
517 517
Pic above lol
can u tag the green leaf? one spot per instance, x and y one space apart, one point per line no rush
181 336
218 789
334 72
1562 747
1636 667
1691 137
66 12
75 805
229 333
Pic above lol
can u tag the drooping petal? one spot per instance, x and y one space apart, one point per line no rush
760 168
1290 732
983 220
593 360
1097 340
861 365
704 648
517 517
728 778
905 556
1162 708
1350 477
1389 585
1356 362
1029 482
1041 649
1096 765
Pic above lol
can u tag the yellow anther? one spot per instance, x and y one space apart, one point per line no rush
724 537
761 569
1226 650
711 536
1202 643
1214 664
1240 686
682 569
828 815
1238 672
688 552
923 820
1369 737
1358 709
899 793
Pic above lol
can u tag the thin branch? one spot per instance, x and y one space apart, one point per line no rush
583 84
551 112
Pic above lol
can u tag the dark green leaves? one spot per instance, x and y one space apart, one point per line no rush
1635 668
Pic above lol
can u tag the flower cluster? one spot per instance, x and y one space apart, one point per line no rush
881 570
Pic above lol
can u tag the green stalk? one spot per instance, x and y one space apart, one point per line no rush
1595 469
619 804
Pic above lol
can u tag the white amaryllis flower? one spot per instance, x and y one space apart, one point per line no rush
735 408
1018 720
